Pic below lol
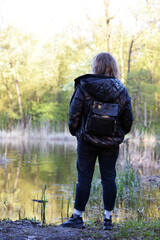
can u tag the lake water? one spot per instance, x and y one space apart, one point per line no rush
26 166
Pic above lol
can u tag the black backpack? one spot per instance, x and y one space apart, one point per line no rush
102 119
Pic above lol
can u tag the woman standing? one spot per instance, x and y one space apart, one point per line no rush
101 89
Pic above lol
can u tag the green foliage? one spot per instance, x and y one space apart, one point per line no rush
42 111
36 75
138 229
128 183
130 193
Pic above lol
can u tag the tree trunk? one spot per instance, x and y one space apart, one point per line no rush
11 98
121 58
108 24
150 115
9 93
129 56
136 112
19 102
19 99
145 114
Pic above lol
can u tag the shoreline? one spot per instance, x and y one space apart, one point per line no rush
28 229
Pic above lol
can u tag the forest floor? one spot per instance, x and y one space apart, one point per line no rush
30 230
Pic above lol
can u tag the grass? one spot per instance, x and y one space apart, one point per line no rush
130 229
128 186
141 150
143 229
133 199
44 132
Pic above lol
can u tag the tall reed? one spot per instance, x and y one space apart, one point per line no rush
43 204
128 191
62 202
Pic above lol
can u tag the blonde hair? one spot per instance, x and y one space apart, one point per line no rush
105 64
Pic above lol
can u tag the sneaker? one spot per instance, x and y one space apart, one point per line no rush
108 224
75 221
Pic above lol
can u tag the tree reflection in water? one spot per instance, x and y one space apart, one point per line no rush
26 166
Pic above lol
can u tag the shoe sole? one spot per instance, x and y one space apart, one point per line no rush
68 226
107 228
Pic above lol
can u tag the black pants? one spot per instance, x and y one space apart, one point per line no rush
86 158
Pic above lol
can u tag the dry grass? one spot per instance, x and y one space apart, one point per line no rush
42 133
141 150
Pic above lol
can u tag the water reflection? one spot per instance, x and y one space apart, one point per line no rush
26 166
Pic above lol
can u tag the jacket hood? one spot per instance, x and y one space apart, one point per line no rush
101 87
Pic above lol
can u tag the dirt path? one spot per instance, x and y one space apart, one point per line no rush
26 230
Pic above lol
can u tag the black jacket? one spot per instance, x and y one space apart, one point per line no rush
102 88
